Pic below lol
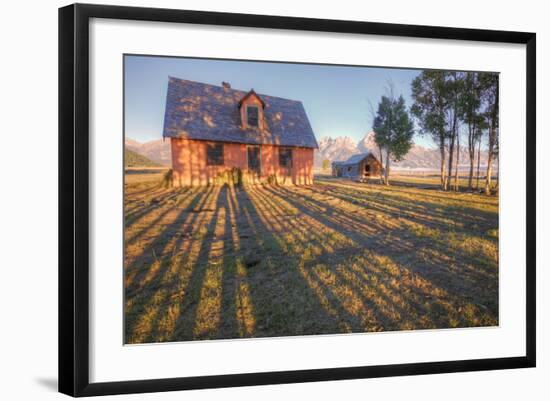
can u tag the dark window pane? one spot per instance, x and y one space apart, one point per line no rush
252 116
285 157
214 154
254 158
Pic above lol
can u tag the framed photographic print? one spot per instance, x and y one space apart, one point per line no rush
250 199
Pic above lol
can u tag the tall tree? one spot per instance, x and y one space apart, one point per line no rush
478 161
373 116
429 93
490 94
454 87
470 113
382 178
457 162
393 129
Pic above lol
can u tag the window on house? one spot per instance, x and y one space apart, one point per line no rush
252 116
254 163
214 154
285 157
349 169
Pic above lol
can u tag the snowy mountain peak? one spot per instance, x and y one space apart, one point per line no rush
367 143
419 157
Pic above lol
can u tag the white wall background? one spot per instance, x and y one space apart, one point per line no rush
28 200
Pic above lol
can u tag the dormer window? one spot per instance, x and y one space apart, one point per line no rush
252 116
251 108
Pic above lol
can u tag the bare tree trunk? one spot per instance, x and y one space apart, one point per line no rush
450 168
442 166
478 162
452 146
497 173
489 174
492 134
493 139
471 154
387 172
457 160
471 174
381 163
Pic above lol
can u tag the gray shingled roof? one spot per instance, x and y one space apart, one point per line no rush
356 158
207 112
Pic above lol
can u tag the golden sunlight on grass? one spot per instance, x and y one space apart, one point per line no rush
335 257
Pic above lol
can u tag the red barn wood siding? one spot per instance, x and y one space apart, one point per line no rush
190 169
302 166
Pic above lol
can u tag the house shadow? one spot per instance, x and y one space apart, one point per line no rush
260 261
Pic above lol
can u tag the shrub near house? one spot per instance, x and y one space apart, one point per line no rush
214 129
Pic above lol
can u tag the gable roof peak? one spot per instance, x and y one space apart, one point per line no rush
250 93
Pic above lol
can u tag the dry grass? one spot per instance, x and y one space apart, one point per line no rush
144 177
335 257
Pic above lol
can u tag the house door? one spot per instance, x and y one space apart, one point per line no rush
254 162
367 170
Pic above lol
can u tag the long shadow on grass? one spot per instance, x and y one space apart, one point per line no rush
396 191
188 261
284 304
264 297
211 278
145 274
412 301
206 294
401 248
333 312
154 251
275 273
453 216
162 209
405 239
329 274
153 204
238 318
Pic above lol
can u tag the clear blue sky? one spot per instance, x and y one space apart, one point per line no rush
336 98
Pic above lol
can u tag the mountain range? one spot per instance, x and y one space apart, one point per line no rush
134 159
419 157
332 149
157 150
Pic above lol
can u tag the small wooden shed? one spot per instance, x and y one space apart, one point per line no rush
358 167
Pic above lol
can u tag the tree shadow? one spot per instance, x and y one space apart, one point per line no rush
148 275
200 310
462 281
284 303
279 261
422 212
355 312
408 236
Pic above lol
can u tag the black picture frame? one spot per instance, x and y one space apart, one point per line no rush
74 198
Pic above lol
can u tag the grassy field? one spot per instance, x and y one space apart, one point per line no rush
143 177
336 257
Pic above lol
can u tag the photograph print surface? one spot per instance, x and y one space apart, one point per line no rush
266 199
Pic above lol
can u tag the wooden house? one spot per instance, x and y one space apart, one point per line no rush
358 167
216 129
